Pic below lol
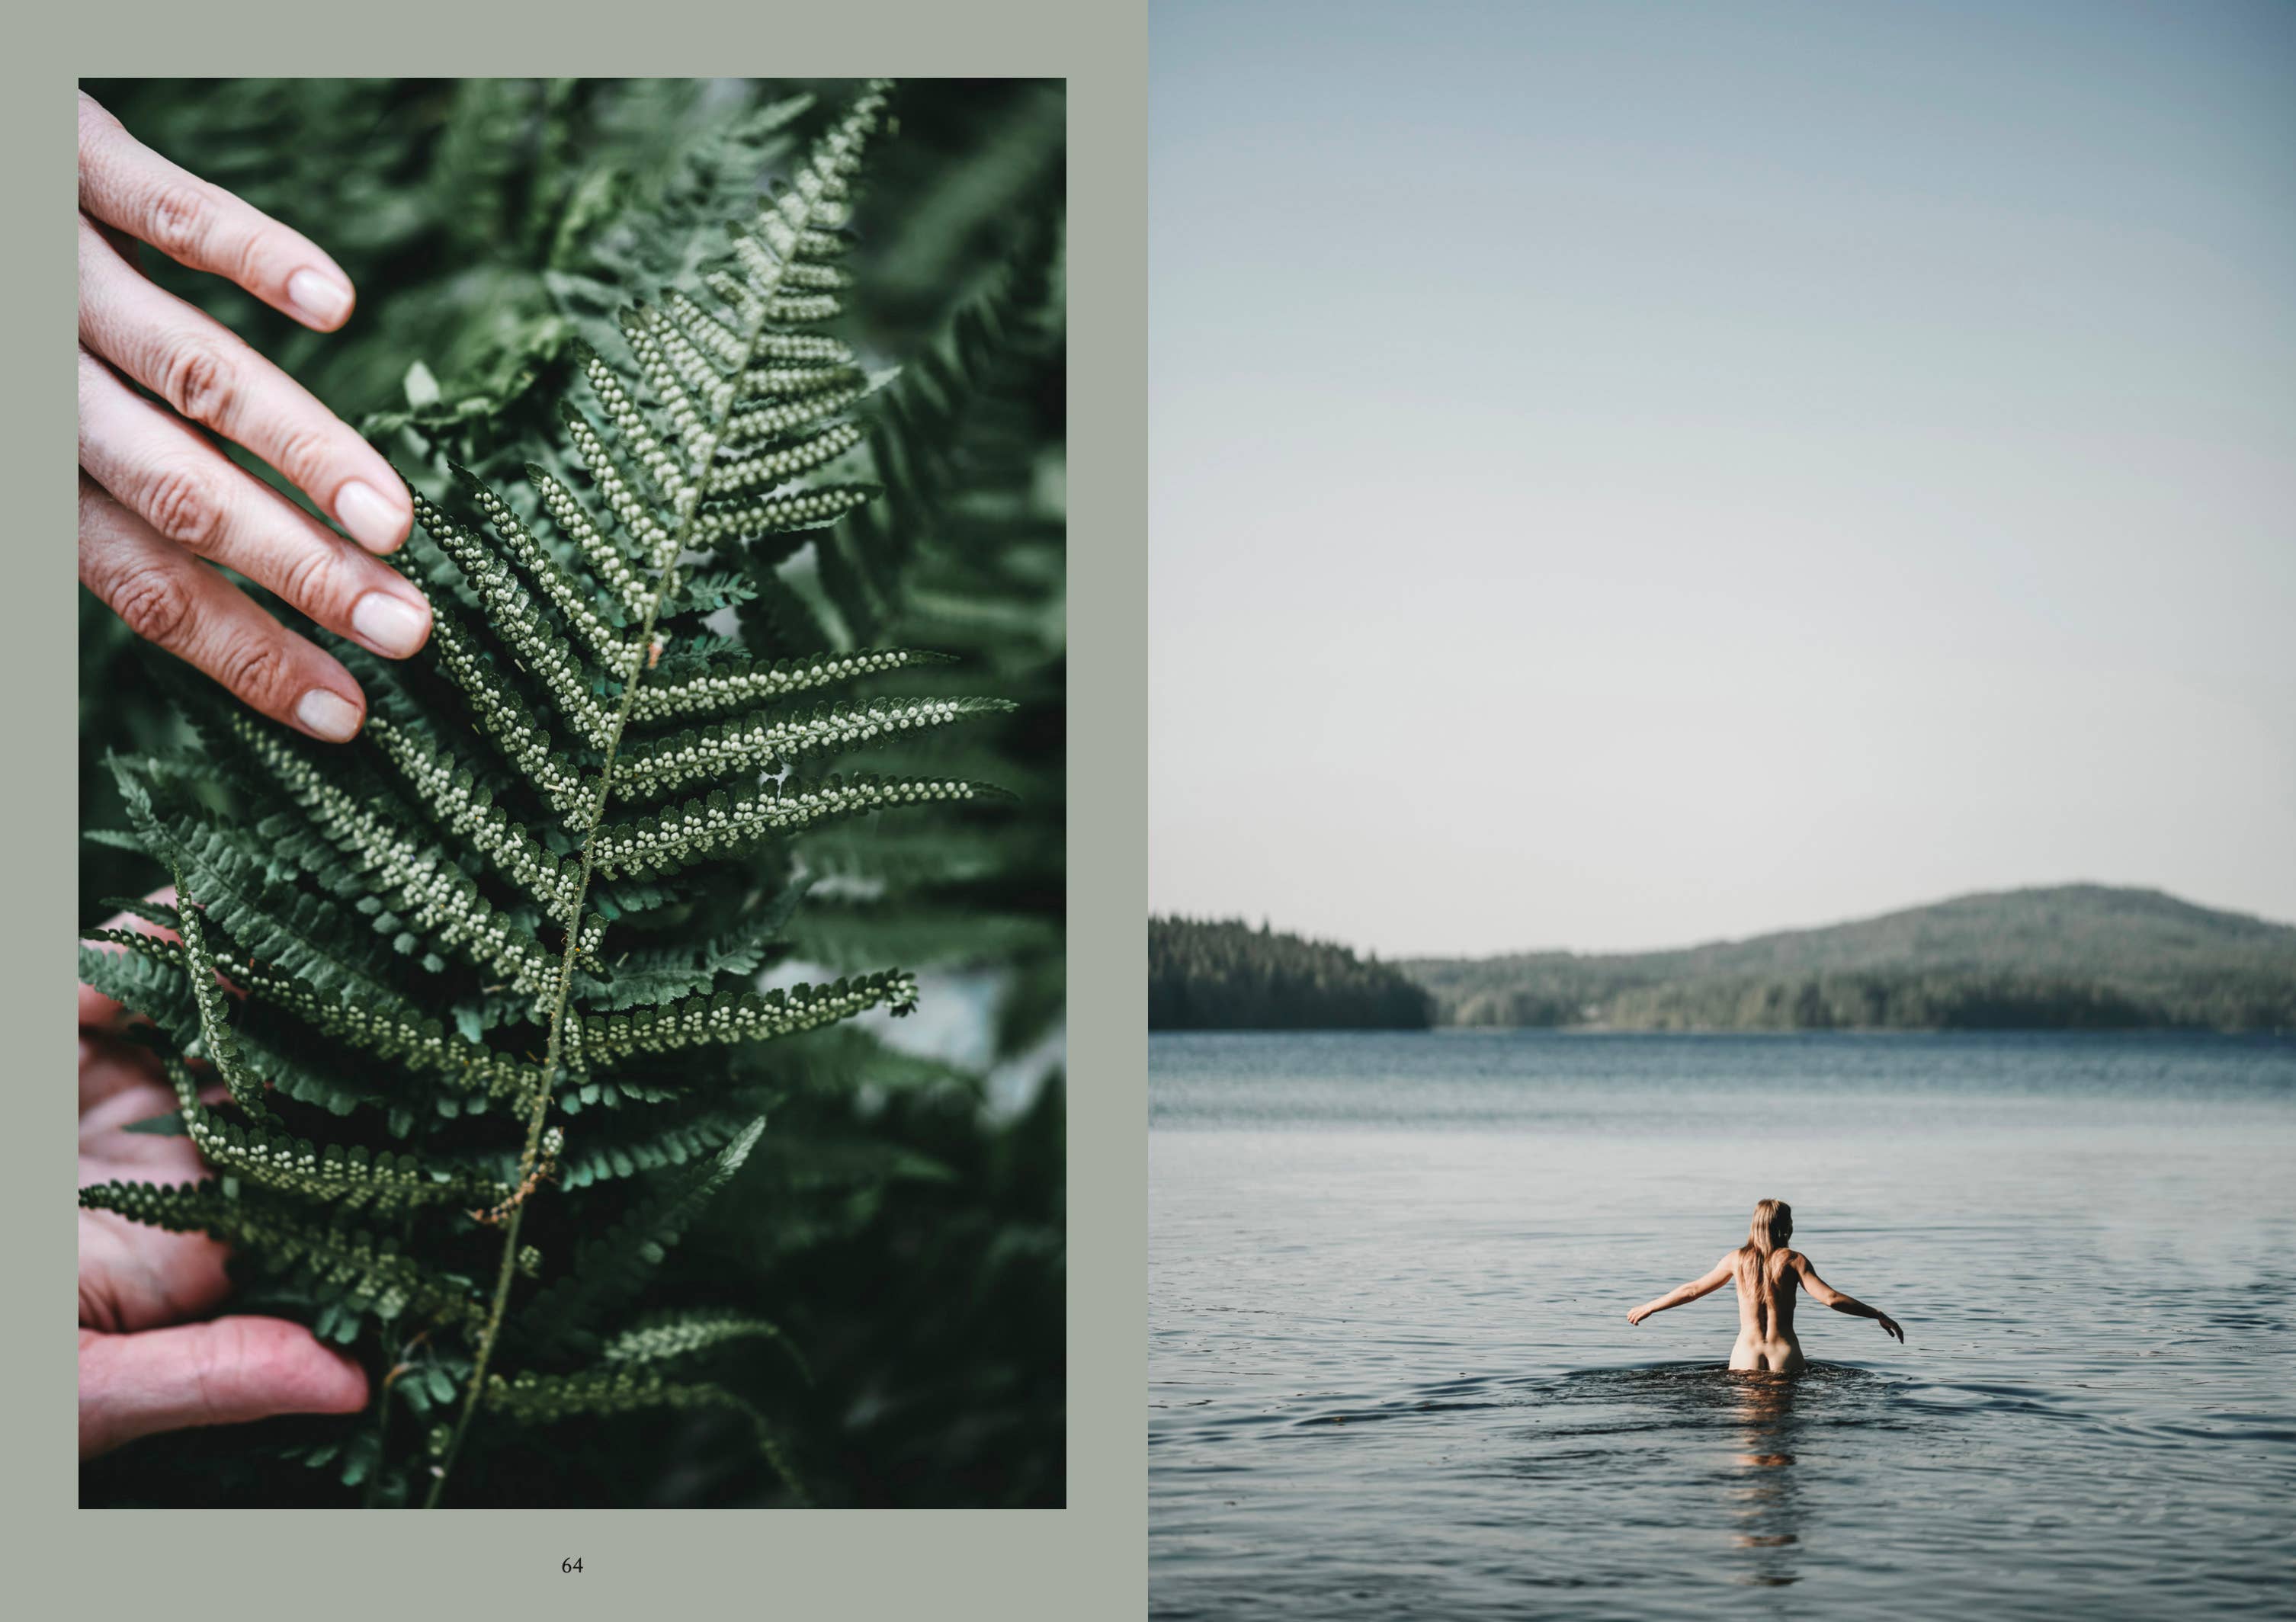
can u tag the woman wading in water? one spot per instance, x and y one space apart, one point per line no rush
1766 1272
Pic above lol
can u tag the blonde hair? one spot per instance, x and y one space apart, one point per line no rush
1772 1227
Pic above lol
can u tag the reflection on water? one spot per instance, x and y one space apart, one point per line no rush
1757 1505
1390 1375
1766 1500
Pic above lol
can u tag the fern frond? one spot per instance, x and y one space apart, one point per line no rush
614 1267
143 983
543 873
460 805
539 1399
415 895
364 1270
379 1022
656 1148
201 972
666 1337
745 1016
504 717
665 973
766 742
350 1178
574 604
566 593
739 686
599 552
538 647
749 518
728 824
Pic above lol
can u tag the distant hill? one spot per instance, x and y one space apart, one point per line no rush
1228 976
2076 956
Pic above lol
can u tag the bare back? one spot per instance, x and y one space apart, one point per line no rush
1766 1281
1768 1275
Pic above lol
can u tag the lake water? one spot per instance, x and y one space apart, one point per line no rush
1391 1374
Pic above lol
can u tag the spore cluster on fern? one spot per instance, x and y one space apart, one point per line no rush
481 985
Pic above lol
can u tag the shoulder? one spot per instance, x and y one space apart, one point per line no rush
1795 1260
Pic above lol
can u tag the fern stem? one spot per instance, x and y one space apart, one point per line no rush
666 584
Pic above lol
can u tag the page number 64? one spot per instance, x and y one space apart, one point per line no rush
574 1564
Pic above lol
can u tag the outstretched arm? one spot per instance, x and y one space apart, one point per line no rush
1680 1293
1826 1295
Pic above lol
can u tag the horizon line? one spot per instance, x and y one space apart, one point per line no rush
1727 941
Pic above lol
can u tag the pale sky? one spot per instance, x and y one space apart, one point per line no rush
1626 474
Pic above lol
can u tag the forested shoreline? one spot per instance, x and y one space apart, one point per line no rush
1225 975
2074 957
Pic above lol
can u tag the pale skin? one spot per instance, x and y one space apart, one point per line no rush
1766 1281
161 505
153 1354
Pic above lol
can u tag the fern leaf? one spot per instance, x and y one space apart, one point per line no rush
503 715
376 912
379 1022
348 1178
415 895
574 603
664 974
745 1016
666 1337
741 686
728 824
767 742
656 1148
551 659
610 1269
613 568
456 801
539 1400
368 1271
215 1022
145 984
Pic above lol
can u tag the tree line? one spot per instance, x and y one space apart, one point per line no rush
1225 975
2074 957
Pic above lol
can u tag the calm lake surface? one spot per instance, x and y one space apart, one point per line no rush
1390 1373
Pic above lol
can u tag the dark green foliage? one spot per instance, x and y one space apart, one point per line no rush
2078 957
533 902
1228 976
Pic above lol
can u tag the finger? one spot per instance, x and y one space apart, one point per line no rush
97 1011
225 1372
175 602
187 490
216 380
134 1276
114 1076
128 186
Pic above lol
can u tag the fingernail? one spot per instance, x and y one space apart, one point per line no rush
322 297
328 715
374 523
390 624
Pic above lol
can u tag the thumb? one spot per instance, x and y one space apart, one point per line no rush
223 1372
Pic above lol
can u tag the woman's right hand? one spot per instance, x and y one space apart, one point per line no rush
158 501
1890 1324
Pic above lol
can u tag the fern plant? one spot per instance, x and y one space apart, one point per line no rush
479 986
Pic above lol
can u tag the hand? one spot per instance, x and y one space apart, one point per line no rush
1890 1324
149 1360
1638 1315
157 496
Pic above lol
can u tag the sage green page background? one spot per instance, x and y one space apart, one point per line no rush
1084 1562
